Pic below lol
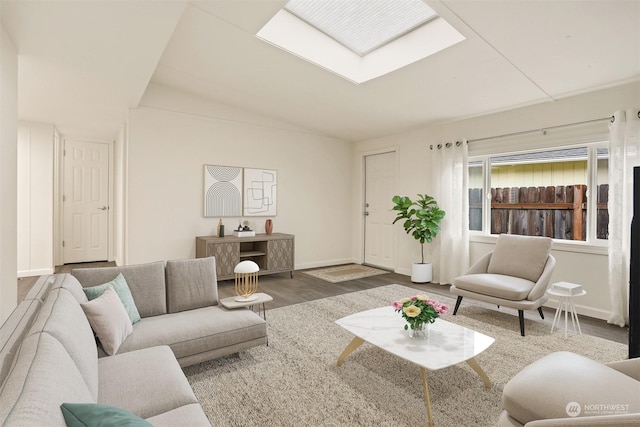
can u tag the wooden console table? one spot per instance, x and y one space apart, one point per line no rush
274 253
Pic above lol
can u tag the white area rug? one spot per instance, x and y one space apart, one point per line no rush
343 273
295 381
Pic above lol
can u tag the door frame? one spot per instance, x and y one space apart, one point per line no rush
363 197
58 190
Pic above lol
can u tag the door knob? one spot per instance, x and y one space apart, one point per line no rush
104 208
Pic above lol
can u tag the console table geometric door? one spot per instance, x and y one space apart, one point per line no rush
274 253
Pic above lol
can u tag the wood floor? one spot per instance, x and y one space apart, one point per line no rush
302 287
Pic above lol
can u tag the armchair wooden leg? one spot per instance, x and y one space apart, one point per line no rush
521 317
540 311
458 301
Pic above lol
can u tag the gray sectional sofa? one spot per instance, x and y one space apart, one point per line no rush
50 356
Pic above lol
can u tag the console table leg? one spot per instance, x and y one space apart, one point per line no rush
476 367
355 343
427 399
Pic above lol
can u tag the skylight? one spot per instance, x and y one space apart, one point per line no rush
362 26
359 40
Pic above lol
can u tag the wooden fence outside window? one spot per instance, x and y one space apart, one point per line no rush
559 212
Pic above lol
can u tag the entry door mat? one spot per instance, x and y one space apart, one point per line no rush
342 273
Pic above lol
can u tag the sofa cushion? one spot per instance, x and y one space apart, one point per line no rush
147 382
520 256
546 388
119 284
191 283
108 319
70 284
62 318
42 378
196 331
146 282
496 285
94 414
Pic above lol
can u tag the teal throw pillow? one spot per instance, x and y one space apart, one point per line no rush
124 293
96 415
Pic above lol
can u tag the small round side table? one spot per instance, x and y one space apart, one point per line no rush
565 302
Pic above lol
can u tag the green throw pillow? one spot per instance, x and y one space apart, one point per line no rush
122 289
96 415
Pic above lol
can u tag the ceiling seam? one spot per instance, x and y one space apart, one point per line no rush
495 49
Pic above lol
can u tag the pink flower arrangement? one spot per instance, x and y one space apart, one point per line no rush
419 309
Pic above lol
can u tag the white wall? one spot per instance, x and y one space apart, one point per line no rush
35 198
172 135
589 269
8 173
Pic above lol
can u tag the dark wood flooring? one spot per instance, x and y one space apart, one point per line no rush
303 287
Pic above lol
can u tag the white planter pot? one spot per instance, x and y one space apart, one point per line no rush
421 273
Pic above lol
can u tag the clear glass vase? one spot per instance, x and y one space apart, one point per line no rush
420 331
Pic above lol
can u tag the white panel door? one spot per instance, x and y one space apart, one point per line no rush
380 178
85 201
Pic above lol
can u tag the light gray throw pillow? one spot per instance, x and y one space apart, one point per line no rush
109 320
520 256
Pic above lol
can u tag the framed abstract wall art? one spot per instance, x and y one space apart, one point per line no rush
260 192
222 191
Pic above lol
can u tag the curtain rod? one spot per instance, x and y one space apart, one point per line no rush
542 130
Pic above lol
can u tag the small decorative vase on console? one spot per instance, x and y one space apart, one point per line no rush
268 226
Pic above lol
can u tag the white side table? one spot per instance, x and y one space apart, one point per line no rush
565 302
261 299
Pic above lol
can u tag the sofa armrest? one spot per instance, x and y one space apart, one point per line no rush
630 367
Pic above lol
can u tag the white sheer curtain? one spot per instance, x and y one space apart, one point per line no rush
450 175
624 154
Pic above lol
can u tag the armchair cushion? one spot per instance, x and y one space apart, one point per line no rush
512 249
565 382
495 285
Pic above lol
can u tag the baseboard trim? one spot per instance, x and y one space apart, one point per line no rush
40 272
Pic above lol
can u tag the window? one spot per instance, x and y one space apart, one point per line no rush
542 193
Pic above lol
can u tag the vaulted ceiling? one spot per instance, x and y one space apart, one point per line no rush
82 64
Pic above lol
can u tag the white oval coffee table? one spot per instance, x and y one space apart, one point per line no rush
448 344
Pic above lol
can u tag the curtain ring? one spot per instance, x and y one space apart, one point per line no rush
448 145
613 118
439 146
458 143
639 114
431 147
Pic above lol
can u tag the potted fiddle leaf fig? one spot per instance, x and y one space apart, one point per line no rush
422 220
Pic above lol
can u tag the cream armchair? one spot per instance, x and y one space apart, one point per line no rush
516 275
566 389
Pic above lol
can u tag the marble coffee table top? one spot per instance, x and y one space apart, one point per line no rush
448 344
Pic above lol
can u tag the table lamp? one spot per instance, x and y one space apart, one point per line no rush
246 281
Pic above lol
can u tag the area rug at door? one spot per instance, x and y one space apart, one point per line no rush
294 381
342 273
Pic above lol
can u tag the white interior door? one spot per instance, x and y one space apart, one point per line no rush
380 178
85 201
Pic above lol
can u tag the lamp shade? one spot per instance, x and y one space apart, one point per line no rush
246 267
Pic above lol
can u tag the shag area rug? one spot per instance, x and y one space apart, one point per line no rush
294 381
342 273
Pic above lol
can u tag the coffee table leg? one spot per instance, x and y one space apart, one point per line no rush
474 365
427 399
355 343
